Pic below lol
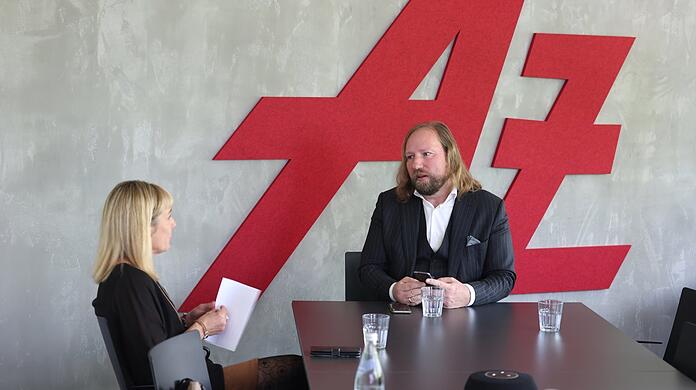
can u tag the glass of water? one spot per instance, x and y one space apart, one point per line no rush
376 323
433 299
550 313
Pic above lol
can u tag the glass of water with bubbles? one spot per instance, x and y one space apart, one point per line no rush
550 313
433 300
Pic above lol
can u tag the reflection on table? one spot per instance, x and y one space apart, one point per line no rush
588 352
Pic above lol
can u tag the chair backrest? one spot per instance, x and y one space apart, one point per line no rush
686 312
111 350
177 358
355 291
685 354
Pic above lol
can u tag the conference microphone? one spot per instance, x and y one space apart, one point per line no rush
500 380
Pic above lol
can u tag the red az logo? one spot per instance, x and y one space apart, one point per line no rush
324 138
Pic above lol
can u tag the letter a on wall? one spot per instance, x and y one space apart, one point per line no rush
323 139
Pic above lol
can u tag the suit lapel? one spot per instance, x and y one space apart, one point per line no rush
410 221
461 220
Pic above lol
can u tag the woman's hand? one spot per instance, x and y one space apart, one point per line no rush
212 322
191 317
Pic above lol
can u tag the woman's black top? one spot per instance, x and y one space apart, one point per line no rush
140 315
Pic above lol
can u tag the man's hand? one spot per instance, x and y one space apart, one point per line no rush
456 293
407 291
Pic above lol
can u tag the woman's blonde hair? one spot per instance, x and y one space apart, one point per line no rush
457 171
130 212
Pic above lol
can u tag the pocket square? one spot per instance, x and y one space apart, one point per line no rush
471 240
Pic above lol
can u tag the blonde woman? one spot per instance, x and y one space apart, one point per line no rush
137 223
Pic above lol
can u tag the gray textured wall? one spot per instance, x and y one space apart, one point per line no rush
94 92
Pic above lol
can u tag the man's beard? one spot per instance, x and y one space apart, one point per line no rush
430 186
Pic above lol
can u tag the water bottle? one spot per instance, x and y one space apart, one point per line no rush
369 375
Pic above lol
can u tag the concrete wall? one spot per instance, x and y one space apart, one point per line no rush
95 92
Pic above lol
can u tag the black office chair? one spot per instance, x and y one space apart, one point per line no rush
111 350
178 358
355 291
685 353
686 312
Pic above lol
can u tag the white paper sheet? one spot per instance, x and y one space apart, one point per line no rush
240 300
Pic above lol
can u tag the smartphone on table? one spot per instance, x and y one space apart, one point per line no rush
399 308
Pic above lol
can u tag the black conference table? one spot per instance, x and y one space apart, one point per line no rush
441 353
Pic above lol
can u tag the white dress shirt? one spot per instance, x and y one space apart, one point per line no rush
436 221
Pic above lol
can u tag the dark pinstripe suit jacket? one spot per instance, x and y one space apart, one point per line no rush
390 249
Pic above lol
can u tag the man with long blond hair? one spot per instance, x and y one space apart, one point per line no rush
437 220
